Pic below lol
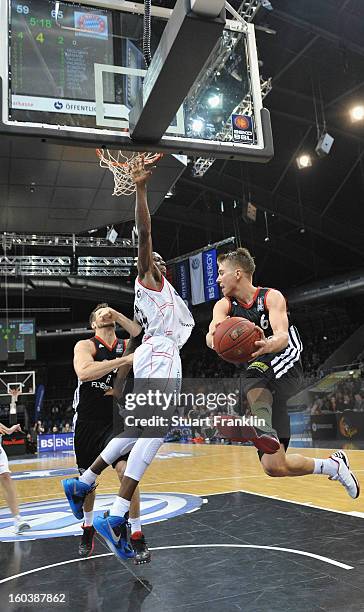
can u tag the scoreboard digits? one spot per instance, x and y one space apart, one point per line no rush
53 49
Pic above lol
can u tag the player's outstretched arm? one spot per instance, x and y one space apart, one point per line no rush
146 268
220 313
88 369
9 430
277 307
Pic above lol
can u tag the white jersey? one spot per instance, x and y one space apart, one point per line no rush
162 313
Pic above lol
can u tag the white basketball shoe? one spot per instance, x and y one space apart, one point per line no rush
344 475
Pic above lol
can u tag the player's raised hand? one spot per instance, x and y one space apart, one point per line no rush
109 313
138 172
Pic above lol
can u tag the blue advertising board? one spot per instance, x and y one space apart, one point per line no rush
209 261
60 442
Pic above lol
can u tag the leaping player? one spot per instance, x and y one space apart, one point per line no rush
274 374
167 325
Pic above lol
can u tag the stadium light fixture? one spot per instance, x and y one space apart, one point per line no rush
303 161
357 113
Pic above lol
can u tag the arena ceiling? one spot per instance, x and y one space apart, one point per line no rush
314 217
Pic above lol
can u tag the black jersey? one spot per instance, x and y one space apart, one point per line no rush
90 401
257 312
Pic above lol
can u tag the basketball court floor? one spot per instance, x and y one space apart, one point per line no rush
222 534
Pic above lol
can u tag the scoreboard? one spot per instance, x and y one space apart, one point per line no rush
53 48
17 336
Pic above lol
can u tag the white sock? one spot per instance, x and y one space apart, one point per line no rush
325 466
135 524
89 518
119 507
88 477
17 519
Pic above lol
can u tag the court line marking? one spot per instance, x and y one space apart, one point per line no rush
274 548
291 501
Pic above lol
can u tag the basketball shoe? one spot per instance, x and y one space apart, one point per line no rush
87 541
140 548
344 476
264 441
76 492
113 530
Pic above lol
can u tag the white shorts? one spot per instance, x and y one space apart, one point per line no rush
157 357
4 464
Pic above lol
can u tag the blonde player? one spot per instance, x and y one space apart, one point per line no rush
7 483
167 325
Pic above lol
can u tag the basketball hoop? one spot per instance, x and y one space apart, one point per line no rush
119 165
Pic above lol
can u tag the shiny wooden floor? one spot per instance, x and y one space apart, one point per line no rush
205 470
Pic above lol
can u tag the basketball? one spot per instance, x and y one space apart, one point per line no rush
234 339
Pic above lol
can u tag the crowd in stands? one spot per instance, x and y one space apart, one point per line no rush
348 395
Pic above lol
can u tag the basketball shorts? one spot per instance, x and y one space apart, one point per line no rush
4 464
261 374
157 375
157 357
90 439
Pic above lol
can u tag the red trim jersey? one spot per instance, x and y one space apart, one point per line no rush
257 312
162 312
89 400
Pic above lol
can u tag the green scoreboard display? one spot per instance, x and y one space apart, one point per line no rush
17 336
53 49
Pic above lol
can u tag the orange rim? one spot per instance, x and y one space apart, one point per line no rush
116 164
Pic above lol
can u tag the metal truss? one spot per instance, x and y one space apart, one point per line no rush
33 265
50 240
202 164
22 270
105 266
99 271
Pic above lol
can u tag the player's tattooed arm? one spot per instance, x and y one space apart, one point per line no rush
146 268
220 313
278 320
88 369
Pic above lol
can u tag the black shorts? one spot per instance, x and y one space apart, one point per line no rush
90 439
261 374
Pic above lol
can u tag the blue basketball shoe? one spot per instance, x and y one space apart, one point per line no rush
113 530
76 492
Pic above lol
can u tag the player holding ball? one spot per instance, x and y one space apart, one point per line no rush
250 325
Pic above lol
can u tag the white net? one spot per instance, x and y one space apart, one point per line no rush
118 163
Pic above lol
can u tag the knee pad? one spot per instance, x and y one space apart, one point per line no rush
151 448
116 448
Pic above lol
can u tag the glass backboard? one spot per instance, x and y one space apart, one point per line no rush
71 72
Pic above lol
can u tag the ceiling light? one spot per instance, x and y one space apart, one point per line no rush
197 125
215 101
357 113
303 161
